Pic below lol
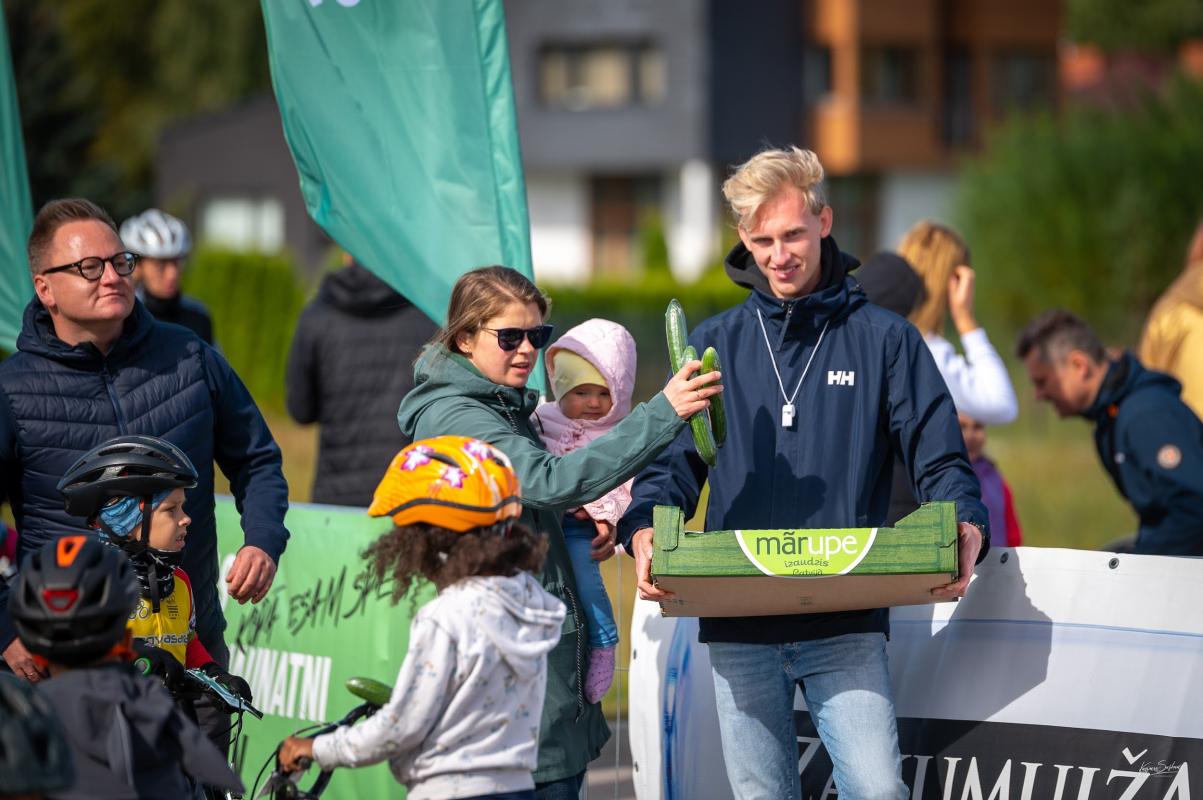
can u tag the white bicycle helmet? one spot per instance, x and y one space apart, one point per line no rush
156 235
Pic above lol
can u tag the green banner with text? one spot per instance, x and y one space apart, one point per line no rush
324 621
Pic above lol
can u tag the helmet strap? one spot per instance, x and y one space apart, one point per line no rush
151 571
99 523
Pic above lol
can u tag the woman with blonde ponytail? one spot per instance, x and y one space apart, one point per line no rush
977 380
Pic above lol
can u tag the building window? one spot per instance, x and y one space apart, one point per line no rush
243 224
1023 81
889 76
816 73
856 200
958 108
580 78
620 206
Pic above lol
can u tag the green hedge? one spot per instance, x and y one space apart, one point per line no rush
1092 211
254 301
639 306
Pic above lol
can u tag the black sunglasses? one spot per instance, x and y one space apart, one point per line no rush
92 268
510 338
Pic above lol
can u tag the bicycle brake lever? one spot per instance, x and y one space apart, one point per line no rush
279 780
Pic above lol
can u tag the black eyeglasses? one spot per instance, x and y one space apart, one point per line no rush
510 338
93 267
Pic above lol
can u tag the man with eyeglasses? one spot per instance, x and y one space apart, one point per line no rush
92 364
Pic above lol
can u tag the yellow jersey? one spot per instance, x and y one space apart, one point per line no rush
174 628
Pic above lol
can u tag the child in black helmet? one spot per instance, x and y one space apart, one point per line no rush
70 604
131 489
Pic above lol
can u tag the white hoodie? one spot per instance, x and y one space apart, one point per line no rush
463 719
978 381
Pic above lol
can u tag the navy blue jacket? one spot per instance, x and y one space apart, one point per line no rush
58 401
1151 443
871 390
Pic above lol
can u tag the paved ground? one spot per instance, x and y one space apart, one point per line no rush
601 772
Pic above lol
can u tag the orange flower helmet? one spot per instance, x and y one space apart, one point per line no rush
453 482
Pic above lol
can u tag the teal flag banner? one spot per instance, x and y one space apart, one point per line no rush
16 206
324 621
400 117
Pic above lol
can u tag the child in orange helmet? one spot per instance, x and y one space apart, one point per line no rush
463 719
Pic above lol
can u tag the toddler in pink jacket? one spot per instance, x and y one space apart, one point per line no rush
592 370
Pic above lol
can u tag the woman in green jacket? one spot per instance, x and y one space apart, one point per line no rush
472 382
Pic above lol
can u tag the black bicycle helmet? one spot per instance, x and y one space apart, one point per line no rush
72 599
124 466
35 757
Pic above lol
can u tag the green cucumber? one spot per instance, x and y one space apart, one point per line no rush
703 439
676 333
680 354
718 416
372 691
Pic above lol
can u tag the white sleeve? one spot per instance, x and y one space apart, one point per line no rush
978 381
418 701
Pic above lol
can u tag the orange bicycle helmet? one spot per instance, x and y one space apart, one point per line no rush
453 482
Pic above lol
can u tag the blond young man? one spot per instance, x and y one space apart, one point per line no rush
822 389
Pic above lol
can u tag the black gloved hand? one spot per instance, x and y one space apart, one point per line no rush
232 682
161 664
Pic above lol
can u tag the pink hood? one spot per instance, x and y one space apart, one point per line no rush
609 347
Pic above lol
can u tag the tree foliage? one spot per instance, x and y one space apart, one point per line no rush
1151 25
97 82
1092 211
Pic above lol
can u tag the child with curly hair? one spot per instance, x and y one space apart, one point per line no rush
463 719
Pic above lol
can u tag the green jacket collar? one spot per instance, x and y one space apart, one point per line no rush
440 374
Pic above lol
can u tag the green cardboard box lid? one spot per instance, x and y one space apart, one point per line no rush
756 572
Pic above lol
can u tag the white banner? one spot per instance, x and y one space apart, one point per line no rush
1063 674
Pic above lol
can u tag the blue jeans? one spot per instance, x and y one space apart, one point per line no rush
579 533
564 789
847 688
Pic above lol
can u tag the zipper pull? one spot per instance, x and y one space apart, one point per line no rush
789 309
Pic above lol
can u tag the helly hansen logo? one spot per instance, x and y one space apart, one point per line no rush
841 378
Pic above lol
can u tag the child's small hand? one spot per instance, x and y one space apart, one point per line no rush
603 543
292 751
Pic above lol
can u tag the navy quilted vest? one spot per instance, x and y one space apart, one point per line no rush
159 380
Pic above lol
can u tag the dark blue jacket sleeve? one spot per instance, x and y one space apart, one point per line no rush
926 434
674 479
1165 450
8 471
248 455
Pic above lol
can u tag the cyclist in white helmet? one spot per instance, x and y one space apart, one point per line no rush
163 242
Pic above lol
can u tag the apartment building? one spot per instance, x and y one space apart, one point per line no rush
632 111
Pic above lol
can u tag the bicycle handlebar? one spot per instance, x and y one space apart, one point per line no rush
227 701
284 784
233 703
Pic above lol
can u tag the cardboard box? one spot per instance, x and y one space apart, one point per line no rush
801 571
